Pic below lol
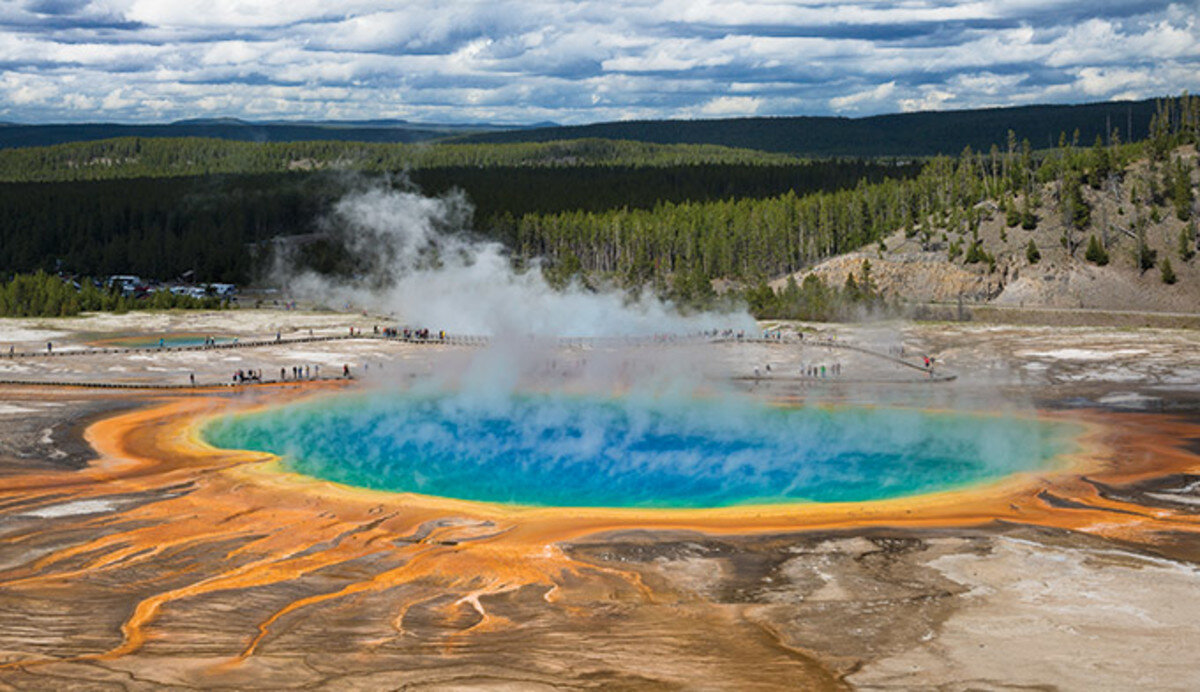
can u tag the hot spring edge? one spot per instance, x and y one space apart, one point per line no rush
585 451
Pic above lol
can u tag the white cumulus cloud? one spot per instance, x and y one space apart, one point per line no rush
580 61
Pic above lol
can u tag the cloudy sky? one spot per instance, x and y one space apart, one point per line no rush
581 61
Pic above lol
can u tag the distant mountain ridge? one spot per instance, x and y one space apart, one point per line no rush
19 135
925 133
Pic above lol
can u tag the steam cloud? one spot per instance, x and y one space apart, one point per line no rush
423 266
468 421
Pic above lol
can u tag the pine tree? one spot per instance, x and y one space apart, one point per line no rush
1012 215
815 298
1075 210
850 288
1147 257
976 253
1029 220
762 300
1031 252
1096 253
1100 166
866 283
1168 274
1181 191
1187 242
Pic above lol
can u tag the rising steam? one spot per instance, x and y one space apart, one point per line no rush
466 424
421 264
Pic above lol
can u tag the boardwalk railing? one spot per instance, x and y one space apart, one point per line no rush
444 340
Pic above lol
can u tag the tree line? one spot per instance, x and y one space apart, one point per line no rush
220 226
137 157
47 295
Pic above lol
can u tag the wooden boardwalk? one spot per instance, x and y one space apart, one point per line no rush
461 340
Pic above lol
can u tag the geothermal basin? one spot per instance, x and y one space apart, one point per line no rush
388 531
629 451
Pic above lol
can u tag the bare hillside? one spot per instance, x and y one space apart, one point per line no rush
918 268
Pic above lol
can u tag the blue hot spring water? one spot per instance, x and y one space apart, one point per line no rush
153 341
583 451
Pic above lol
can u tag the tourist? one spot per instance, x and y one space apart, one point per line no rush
49 347
346 370
192 378
282 375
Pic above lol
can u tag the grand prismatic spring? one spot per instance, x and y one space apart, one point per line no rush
558 450
765 529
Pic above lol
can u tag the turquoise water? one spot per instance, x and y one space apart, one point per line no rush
557 450
172 341
152 341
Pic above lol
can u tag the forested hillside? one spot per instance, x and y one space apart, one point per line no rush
904 134
157 158
216 225
674 227
943 207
